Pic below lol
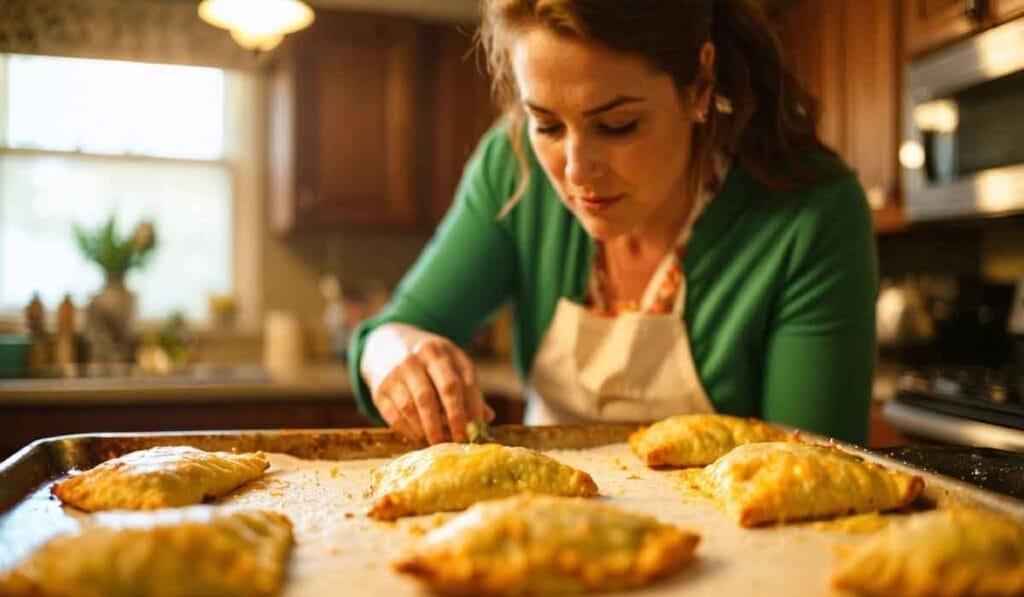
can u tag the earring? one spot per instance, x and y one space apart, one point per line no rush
700 115
723 104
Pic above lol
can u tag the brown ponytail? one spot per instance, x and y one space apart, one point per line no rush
773 119
762 118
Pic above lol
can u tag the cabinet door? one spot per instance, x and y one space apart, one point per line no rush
343 125
931 23
459 112
811 32
871 60
1007 9
846 54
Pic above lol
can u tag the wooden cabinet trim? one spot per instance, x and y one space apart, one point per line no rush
929 24
1005 10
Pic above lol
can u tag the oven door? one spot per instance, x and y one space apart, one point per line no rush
963 128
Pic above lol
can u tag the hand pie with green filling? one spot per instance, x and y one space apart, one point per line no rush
697 440
538 544
451 476
769 482
942 552
162 477
200 550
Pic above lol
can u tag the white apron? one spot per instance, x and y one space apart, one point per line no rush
631 368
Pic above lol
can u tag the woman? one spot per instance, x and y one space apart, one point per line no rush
673 234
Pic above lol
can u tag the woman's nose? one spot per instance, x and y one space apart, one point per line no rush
582 167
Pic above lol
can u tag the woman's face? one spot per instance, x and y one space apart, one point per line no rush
612 134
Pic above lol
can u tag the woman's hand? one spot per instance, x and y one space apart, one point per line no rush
422 383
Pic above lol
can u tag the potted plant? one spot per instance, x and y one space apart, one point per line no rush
110 313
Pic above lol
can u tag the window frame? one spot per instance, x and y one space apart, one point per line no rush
244 144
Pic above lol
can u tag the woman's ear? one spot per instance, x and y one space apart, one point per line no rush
705 87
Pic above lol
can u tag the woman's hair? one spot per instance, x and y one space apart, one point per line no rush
759 115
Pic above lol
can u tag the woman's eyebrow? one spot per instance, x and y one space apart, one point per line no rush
615 103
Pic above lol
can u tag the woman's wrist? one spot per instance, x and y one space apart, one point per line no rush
386 347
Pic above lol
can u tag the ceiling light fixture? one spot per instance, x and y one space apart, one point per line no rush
257 25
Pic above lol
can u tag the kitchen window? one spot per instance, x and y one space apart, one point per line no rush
82 139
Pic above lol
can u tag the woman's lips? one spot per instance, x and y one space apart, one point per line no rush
597 204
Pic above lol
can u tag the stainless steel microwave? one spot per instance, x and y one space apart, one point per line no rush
962 151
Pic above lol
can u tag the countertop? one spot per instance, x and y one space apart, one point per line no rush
252 382
205 383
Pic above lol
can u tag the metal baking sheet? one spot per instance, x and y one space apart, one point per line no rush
337 544
50 458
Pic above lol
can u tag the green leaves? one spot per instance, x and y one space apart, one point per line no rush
116 255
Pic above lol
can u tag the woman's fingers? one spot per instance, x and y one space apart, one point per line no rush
466 368
425 397
476 406
395 403
403 400
393 418
448 382
433 388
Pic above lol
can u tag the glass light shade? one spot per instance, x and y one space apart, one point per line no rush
257 24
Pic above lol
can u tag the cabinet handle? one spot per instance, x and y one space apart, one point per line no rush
975 10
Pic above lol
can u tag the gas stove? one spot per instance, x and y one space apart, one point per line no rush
966 405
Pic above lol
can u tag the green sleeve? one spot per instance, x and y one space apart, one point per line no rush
465 272
820 352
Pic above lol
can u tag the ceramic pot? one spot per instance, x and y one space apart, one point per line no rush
110 320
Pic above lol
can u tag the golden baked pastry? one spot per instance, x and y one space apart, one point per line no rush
942 552
783 481
199 550
536 544
160 478
452 476
697 440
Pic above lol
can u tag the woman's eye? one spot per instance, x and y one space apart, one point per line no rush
624 129
549 129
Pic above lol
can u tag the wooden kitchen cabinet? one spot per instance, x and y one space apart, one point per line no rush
930 24
372 119
342 99
460 111
1004 10
846 53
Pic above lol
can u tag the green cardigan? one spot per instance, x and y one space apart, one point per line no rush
781 287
